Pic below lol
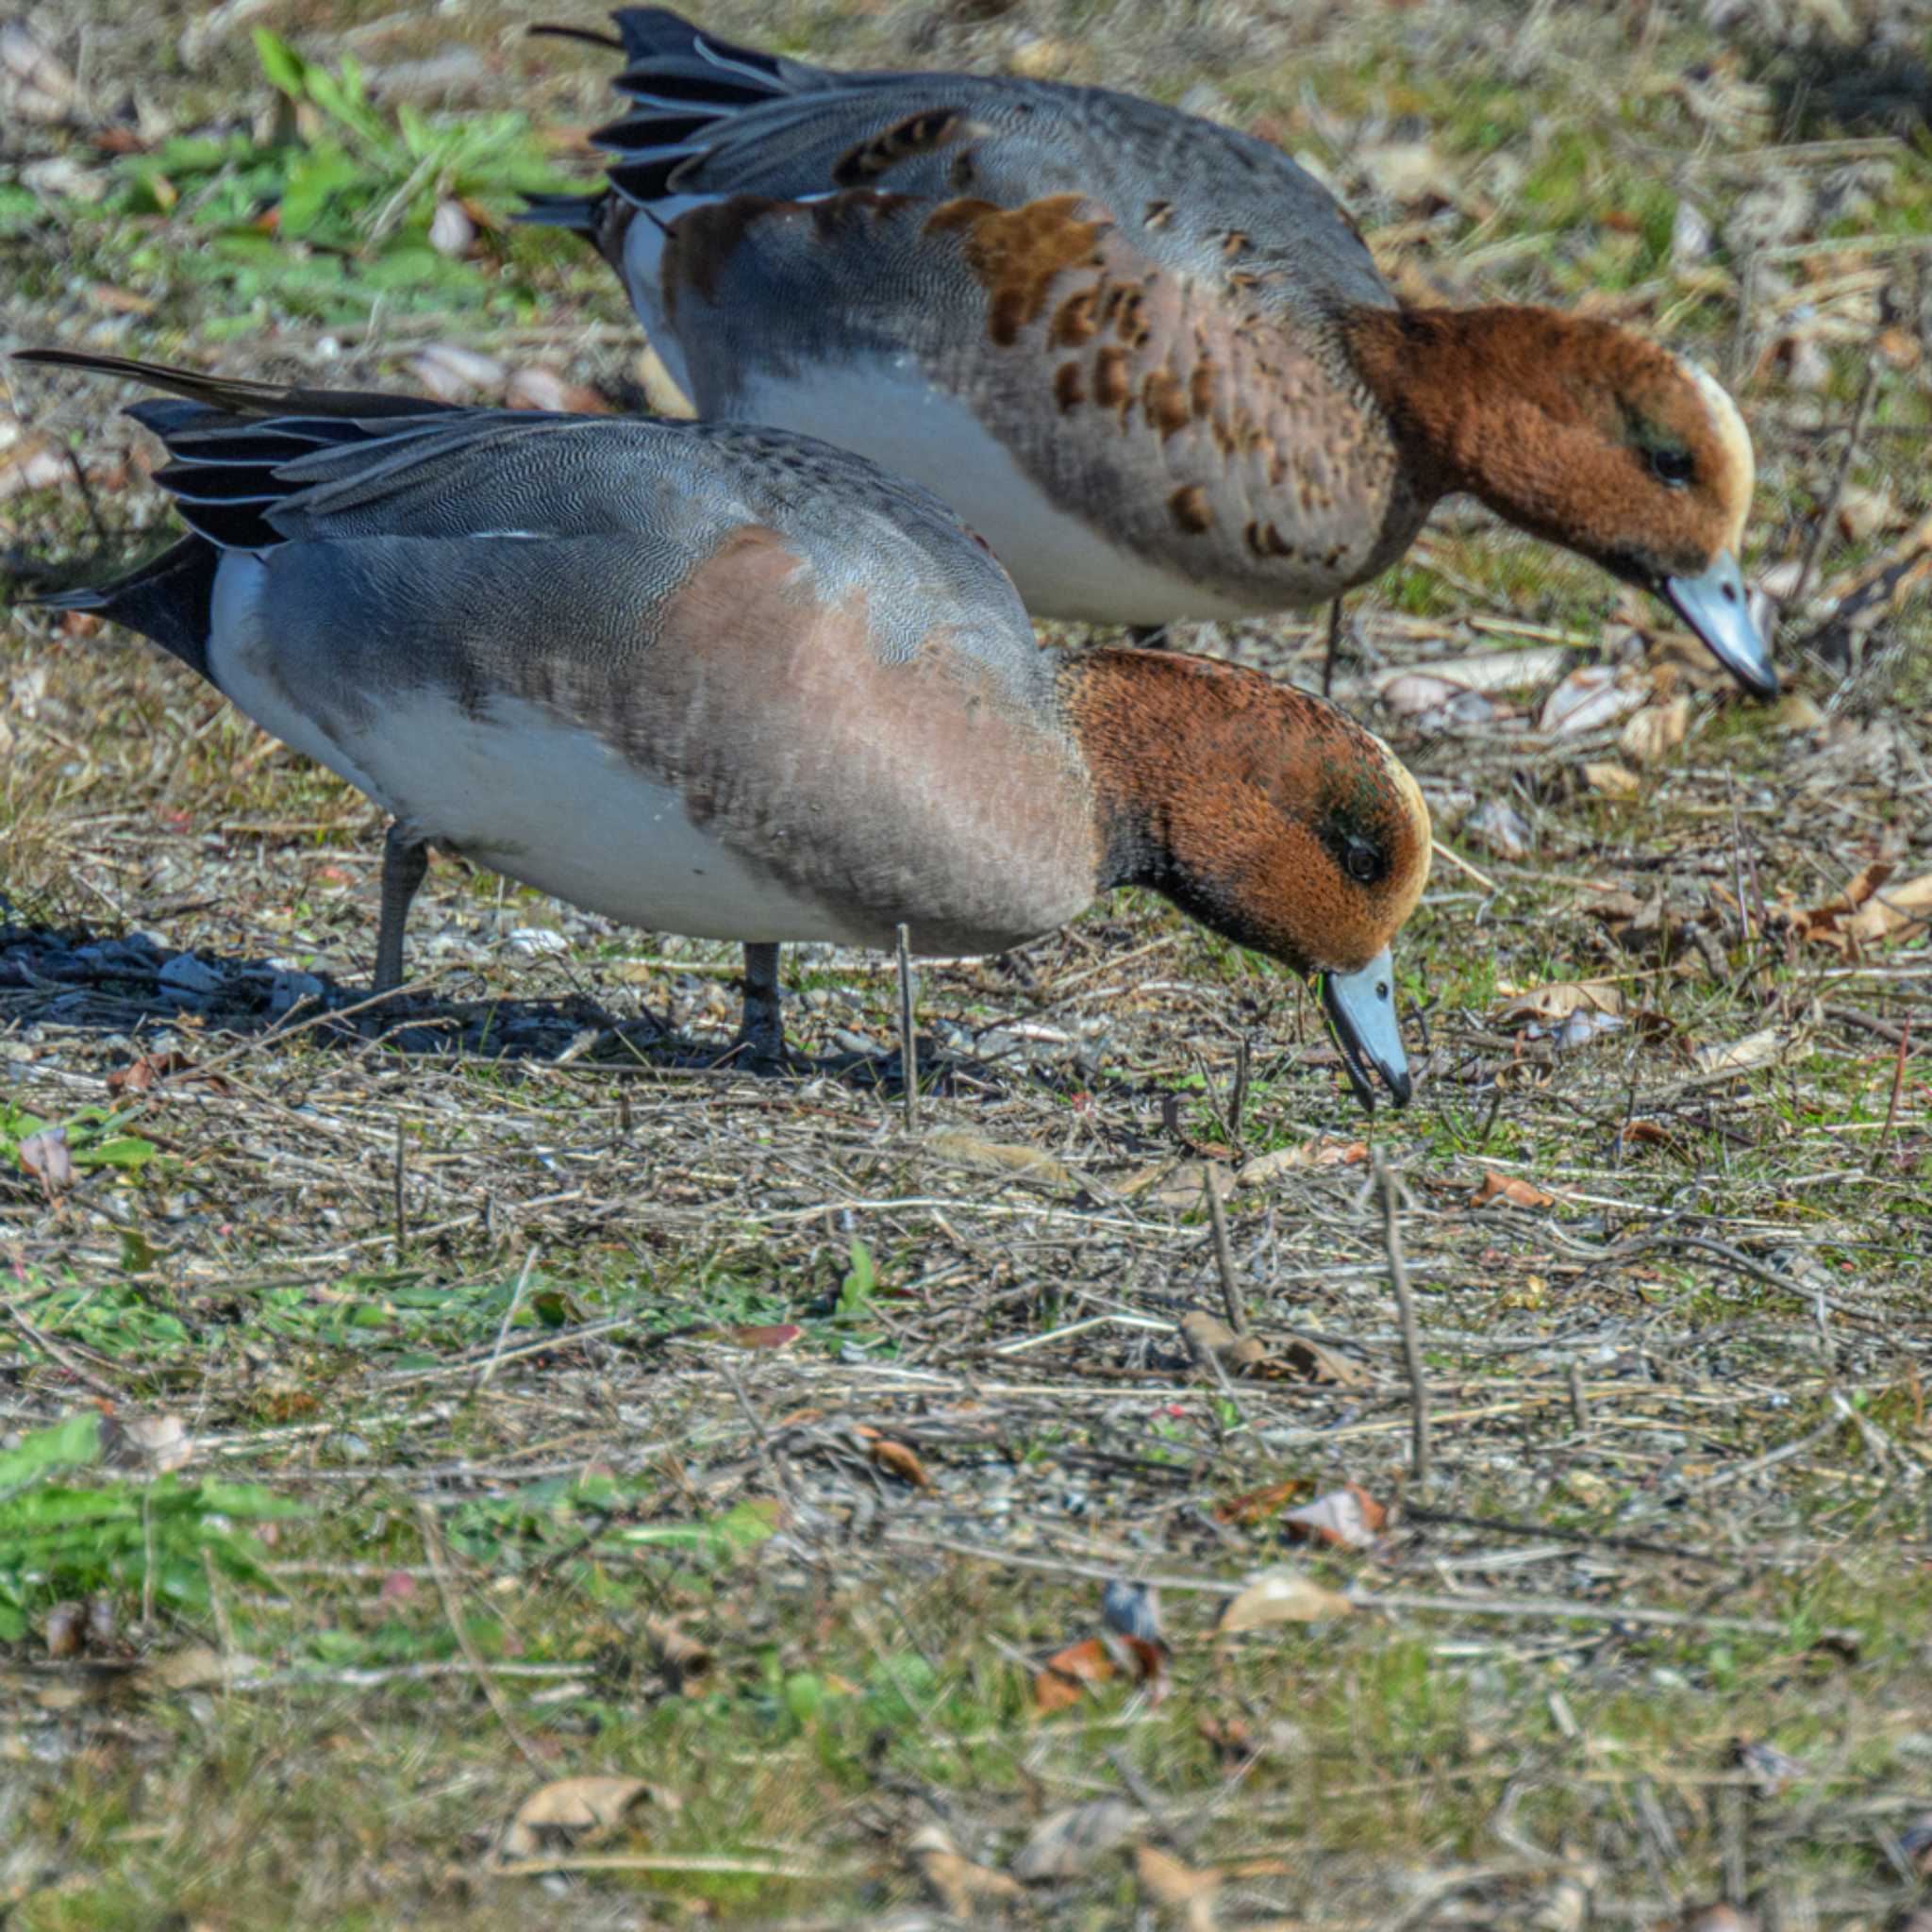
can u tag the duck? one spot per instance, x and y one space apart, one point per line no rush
1148 357
730 681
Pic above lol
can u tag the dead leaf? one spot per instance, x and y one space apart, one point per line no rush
1759 1049
1609 779
1177 1888
569 1810
158 1443
453 374
775 1335
1034 1163
1208 1336
199 1667
1655 730
1824 924
1320 1151
538 387
956 1881
1511 1187
47 1157
1066 1675
1891 909
1559 1000
1062 1680
1281 1596
1349 1517
143 1074
1066 1842
895 1458
1590 696
1257 1506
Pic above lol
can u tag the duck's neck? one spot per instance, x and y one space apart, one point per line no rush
1467 393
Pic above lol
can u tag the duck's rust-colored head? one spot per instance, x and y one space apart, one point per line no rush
1269 816
1588 434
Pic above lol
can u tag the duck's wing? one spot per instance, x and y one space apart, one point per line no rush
710 121
461 494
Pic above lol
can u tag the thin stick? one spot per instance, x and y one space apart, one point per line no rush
510 1315
432 1544
676 1861
1579 1407
1463 866
1814 543
401 1206
1224 1257
1390 1185
1898 1080
908 1045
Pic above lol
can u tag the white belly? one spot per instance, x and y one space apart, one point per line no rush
524 794
1063 567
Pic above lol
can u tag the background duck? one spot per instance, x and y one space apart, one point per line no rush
1148 356
734 683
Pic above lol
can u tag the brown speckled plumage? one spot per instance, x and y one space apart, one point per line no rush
1149 357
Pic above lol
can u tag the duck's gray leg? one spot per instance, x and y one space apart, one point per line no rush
1334 646
405 865
762 1029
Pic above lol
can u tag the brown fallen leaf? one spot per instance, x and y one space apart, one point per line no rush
570 1810
1177 1888
1258 1506
540 387
1349 1517
1759 1049
1608 779
773 1335
198 1667
1031 1163
955 1880
1559 1000
1281 1596
895 1458
1066 1842
1062 1680
139 1077
1511 1187
1209 1338
1656 730
1066 1676
1825 925
47 1158
1891 909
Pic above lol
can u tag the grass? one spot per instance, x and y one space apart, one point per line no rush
554 1406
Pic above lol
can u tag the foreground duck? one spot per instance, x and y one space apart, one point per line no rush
732 682
1148 357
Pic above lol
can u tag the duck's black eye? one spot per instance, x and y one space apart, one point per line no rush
1363 861
1673 468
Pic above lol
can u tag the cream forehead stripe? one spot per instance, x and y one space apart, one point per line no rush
1735 441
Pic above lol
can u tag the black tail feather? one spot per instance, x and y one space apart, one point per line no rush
170 600
231 394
